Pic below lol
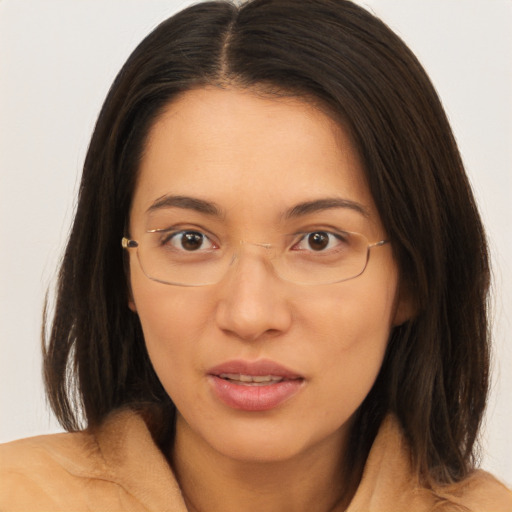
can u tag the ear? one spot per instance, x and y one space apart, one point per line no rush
405 308
131 300
126 265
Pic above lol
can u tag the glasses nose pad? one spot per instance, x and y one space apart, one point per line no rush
268 252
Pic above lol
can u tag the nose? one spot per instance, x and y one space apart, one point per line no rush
253 302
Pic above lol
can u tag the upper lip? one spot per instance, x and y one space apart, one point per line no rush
258 368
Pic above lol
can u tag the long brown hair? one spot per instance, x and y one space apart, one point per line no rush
435 374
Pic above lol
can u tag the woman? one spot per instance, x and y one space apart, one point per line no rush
273 296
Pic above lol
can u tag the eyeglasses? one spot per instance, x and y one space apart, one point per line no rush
192 258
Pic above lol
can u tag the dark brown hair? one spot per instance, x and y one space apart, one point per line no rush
435 374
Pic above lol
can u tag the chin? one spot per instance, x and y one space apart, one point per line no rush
266 439
259 449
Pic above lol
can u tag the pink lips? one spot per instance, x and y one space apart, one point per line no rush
254 386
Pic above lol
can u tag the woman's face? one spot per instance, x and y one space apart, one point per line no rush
260 368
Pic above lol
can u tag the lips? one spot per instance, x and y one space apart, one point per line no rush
251 380
254 385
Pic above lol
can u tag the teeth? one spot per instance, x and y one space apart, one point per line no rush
249 379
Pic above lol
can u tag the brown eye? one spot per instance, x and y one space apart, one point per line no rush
189 241
318 240
322 242
192 241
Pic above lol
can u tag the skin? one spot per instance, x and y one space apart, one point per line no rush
255 157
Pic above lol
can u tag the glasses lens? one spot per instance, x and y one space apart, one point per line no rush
189 261
325 258
319 258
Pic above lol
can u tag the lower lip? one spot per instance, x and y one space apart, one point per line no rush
254 398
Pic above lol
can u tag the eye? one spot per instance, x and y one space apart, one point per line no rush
319 241
189 241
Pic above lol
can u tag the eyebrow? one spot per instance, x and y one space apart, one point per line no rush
299 210
328 203
187 203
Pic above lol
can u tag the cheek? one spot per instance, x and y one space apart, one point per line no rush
351 324
351 317
173 320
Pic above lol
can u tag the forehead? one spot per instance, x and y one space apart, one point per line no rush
248 153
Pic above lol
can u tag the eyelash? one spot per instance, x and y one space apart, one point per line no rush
175 235
339 237
171 235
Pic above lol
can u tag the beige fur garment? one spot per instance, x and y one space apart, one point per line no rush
120 468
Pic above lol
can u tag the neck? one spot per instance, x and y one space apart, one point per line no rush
212 482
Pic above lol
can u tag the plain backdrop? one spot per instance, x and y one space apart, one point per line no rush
57 60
